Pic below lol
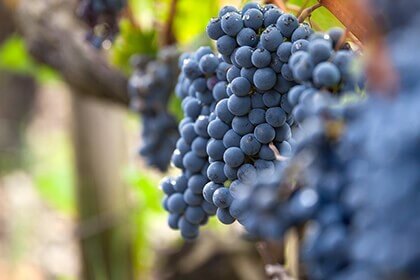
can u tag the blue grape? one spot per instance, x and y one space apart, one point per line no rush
217 129
209 208
242 125
257 116
188 230
219 91
227 9
240 86
294 94
326 74
230 172
320 50
222 198
214 29
226 45
283 133
195 215
335 34
209 190
275 116
264 133
271 38
257 100
287 24
249 6
192 199
239 106
302 32
208 63
271 99
247 37
243 56
173 220
271 16
224 216
266 153
233 73
233 157
248 73
300 45
222 111
231 139
196 183
200 52
188 133
215 149
193 162
286 72
261 58
199 145
276 63
176 203
167 186
215 172
250 145
191 69
284 52
264 78
247 173
232 23
253 18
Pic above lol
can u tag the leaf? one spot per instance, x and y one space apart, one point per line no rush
15 58
132 41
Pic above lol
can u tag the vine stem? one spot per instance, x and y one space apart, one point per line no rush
308 11
128 13
168 32
304 5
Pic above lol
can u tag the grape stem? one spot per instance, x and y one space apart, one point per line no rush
168 32
308 11
128 13
304 5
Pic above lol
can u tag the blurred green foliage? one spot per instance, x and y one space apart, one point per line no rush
130 41
15 58
51 164
148 209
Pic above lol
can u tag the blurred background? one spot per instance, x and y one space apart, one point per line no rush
76 200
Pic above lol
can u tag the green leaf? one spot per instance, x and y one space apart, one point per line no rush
132 40
15 58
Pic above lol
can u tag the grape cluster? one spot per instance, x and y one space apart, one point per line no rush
254 122
102 19
321 69
357 191
150 88
200 84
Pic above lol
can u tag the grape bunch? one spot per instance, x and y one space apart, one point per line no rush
253 124
308 191
150 87
102 19
200 84
323 68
